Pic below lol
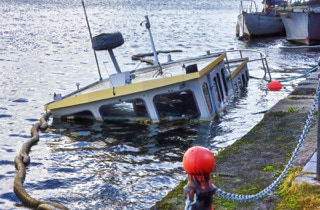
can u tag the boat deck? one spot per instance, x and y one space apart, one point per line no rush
232 60
168 69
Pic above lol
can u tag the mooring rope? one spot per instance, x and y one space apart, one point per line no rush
22 160
301 76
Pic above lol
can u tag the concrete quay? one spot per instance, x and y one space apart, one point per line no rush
307 157
268 145
309 172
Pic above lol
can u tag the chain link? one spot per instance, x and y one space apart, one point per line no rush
248 198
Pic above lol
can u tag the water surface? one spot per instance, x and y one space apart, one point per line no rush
45 49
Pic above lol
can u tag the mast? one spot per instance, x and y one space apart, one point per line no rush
94 52
155 54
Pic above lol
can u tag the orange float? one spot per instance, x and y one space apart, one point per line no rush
274 85
198 160
199 163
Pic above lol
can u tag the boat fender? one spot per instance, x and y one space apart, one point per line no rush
107 41
237 30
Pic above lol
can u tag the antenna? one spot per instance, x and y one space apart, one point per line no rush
95 55
155 55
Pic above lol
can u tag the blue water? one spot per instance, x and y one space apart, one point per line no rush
45 48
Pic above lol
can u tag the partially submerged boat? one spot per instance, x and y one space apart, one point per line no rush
194 89
253 22
301 21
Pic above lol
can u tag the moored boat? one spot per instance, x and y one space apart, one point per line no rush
253 22
194 89
302 21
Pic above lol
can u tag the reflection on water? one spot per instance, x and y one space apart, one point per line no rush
45 49
121 161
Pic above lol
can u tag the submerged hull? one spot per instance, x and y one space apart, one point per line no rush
194 89
302 26
193 95
260 24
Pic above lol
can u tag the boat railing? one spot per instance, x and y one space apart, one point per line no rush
304 3
232 56
252 55
248 6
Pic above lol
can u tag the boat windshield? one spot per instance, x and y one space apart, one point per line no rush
178 105
129 110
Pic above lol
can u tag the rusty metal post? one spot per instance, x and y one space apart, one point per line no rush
199 163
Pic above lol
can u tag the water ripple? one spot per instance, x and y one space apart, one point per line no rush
45 48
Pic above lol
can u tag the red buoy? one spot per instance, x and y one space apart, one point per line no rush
274 85
199 163
199 160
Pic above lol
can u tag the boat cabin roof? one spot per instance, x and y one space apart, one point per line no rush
143 81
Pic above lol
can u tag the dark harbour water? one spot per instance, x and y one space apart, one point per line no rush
45 48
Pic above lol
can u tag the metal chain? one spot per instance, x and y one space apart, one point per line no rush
248 198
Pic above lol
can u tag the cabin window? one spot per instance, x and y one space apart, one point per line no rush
78 117
128 110
224 80
176 106
240 82
244 81
206 94
220 86
217 92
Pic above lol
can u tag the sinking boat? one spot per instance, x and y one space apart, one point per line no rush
253 22
301 21
194 89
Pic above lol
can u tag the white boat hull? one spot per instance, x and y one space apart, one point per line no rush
199 95
260 24
194 89
302 26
